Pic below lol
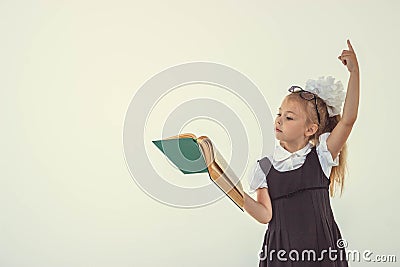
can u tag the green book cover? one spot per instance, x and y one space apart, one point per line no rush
185 153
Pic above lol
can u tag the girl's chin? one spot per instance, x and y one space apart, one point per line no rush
278 136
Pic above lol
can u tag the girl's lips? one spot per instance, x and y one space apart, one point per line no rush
277 130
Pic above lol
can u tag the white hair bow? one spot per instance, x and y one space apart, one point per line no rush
328 90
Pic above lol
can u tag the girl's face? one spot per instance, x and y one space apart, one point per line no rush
290 122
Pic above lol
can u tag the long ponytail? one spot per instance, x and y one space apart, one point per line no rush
337 176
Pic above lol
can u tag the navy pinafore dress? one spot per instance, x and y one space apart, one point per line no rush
302 224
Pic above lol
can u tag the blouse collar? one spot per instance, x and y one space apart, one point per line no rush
281 153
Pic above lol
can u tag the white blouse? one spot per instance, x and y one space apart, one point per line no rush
283 160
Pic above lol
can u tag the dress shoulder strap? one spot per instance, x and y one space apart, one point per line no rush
265 164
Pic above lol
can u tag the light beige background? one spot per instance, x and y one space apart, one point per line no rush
69 70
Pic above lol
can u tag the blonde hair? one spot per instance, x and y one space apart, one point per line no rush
327 124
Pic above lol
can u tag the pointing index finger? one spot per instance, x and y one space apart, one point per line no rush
349 45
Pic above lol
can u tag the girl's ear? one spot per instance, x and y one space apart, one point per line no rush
311 129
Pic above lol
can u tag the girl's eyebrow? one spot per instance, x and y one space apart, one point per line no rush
289 111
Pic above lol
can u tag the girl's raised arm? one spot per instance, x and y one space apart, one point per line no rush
341 132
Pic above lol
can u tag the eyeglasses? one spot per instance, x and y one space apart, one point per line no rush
307 96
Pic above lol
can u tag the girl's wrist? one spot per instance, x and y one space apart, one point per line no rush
356 72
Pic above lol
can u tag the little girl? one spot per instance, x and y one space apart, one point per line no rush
294 184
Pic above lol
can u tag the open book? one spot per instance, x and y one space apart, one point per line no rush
197 155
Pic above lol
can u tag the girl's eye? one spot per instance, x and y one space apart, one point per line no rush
286 117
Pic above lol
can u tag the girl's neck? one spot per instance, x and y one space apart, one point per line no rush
293 147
